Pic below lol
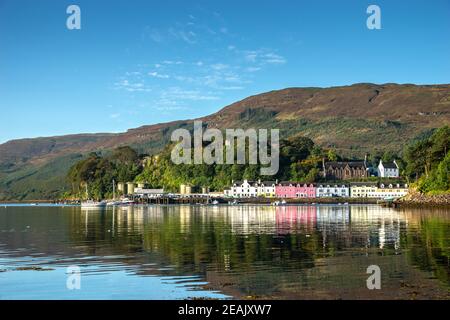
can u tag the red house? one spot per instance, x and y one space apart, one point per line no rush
295 190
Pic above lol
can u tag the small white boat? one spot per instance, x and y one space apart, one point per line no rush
93 204
88 204
279 203
126 202
113 203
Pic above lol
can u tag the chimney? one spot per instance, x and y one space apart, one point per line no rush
323 167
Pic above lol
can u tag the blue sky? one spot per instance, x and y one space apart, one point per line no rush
135 63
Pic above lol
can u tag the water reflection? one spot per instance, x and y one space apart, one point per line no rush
278 252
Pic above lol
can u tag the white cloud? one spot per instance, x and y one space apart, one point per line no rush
219 66
253 69
273 58
176 93
158 75
172 62
131 86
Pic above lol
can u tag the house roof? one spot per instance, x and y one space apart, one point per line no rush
343 164
366 183
389 165
268 183
293 183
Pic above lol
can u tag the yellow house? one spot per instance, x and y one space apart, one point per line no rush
363 190
266 189
392 191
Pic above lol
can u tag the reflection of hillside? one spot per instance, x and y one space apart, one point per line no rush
284 248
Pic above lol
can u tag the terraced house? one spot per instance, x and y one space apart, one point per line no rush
375 191
363 189
288 189
391 191
334 190
251 189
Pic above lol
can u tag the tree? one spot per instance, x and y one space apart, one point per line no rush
331 155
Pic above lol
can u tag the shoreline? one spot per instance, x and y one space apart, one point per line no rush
412 200
416 199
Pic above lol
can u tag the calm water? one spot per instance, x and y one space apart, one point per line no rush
183 252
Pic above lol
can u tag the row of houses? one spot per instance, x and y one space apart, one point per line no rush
288 189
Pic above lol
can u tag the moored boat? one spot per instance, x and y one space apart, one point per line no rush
126 202
89 203
93 204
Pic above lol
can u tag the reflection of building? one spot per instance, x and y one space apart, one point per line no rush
295 190
326 190
293 218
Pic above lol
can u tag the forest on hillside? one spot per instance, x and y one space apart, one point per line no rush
425 161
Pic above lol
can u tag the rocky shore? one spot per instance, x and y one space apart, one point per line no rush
417 199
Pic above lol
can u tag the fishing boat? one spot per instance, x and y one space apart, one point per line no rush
113 202
92 203
126 202
279 203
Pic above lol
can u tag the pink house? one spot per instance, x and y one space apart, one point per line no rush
295 190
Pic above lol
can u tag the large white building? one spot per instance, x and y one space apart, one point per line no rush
251 189
334 190
388 169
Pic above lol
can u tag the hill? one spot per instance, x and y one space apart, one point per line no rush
354 120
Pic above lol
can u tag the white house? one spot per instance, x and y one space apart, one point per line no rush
326 190
243 189
388 169
251 189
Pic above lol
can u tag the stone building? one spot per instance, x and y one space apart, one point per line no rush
344 170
